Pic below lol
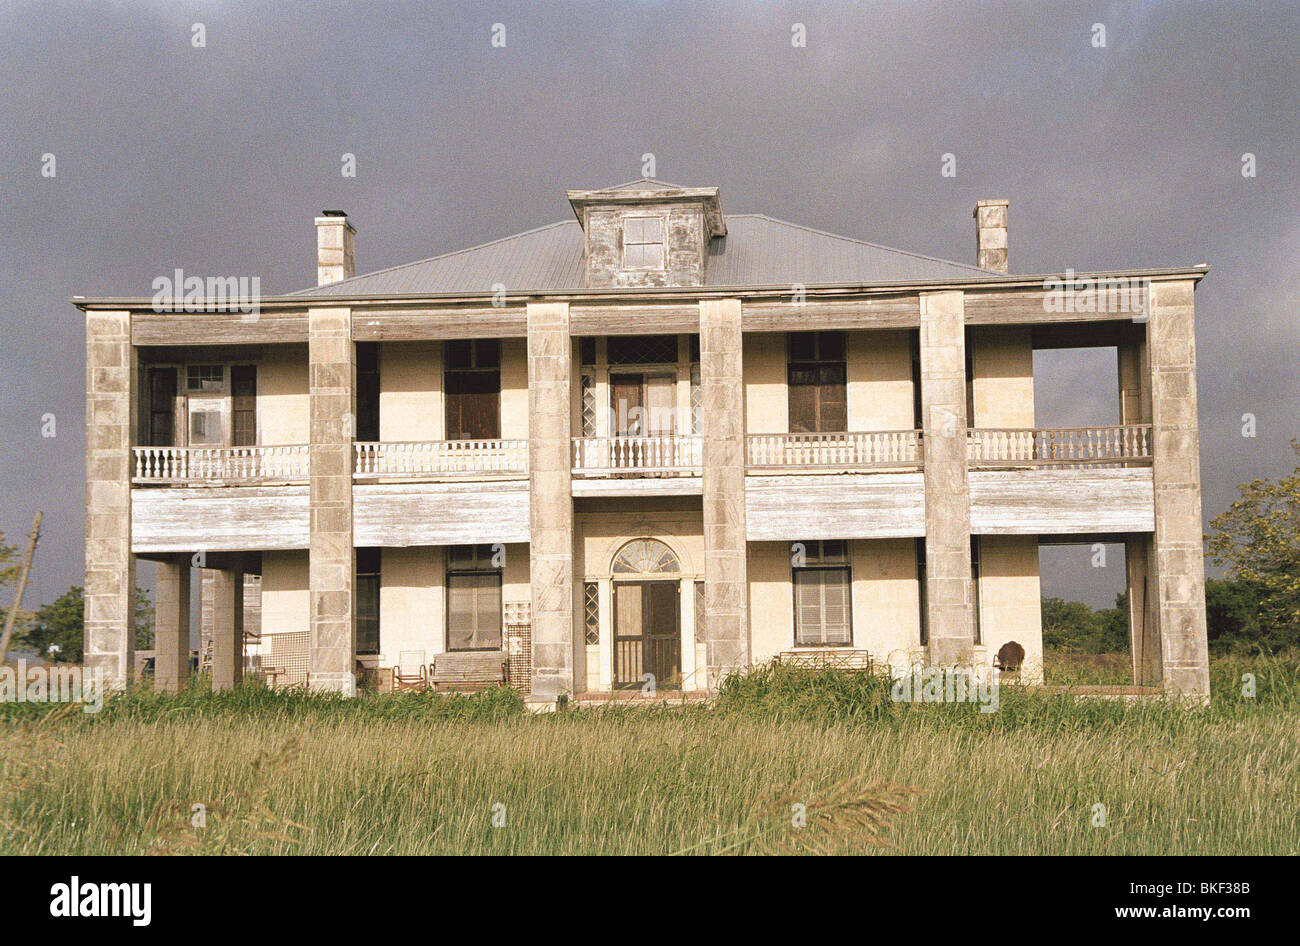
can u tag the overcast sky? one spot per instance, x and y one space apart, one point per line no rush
216 159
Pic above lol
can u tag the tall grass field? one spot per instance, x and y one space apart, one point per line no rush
784 761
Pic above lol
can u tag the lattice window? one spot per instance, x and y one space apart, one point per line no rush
699 612
589 405
289 658
642 349
645 556
697 400
591 611
518 646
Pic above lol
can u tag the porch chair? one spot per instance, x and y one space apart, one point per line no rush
411 672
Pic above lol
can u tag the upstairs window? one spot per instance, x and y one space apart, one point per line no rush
367 391
643 243
208 379
819 400
472 381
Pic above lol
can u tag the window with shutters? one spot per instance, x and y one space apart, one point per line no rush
818 382
368 564
823 596
473 599
472 382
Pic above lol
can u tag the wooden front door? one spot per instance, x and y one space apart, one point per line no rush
647 634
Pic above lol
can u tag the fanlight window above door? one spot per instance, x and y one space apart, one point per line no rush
645 557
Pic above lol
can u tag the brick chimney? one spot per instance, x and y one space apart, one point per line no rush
334 235
991 234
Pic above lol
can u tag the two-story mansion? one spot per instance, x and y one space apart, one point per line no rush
656 439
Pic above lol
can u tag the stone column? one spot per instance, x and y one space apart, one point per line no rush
1178 562
949 596
722 399
110 434
332 558
171 665
550 474
1144 637
227 628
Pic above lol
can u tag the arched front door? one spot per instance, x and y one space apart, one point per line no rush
647 616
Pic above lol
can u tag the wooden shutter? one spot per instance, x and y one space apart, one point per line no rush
833 399
625 405
473 405
803 400
162 407
243 393
822 606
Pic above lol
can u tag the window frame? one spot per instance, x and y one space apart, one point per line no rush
661 221
480 367
473 568
819 366
816 560
367 570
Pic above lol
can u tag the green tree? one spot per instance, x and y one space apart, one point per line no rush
1232 613
61 624
1069 626
1258 538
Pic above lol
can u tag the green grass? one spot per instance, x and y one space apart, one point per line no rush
293 773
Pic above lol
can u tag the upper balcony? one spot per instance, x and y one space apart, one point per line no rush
654 456
1093 447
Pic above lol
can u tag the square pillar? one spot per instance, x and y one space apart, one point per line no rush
550 473
722 399
110 433
172 625
1178 558
1144 637
332 558
949 595
686 597
605 598
227 628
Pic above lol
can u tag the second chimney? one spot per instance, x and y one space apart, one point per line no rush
334 234
991 234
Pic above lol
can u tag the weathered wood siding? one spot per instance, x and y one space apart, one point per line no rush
402 514
1056 502
842 506
219 519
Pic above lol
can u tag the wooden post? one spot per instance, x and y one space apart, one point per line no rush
22 585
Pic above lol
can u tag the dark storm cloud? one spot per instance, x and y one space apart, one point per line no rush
214 160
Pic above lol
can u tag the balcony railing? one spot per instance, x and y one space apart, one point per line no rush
607 456
441 457
1062 446
856 450
161 465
